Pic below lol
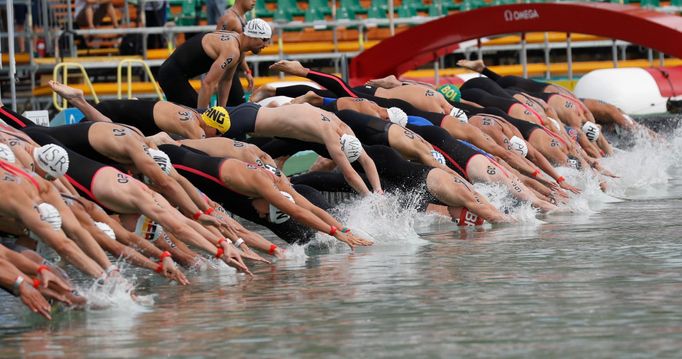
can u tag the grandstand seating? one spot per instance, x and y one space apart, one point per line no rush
319 39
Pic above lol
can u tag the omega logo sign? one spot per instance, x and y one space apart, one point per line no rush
527 14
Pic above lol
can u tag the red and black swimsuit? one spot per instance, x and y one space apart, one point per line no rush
82 170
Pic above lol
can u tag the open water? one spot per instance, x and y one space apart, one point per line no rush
602 281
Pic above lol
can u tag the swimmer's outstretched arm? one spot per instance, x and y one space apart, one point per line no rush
55 239
9 275
34 269
72 227
371 171
349 173
301 214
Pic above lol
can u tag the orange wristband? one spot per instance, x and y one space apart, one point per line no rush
332 231
536 173
41 268
197 215
220 252
209 210
36 283
272 249
560 179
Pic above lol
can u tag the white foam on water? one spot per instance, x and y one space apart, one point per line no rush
498 195
383 219
644 168
116 293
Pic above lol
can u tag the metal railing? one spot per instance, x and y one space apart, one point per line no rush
130 63
64 66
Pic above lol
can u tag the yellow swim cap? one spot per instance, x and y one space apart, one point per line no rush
218 118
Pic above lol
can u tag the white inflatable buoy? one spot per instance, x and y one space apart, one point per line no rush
632 89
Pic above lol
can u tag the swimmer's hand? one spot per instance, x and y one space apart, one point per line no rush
207 220
569 187
171 271
249 81
352 240
55 295
250 254
47 277
608 173
232 258
34 300
227 226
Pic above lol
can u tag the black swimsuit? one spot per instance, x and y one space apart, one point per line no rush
75 137
242 120
14 119
138 113
187 61
369 129
396 174
457 154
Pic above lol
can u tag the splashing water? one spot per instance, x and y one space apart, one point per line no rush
384 218
498 195
644 168
116 293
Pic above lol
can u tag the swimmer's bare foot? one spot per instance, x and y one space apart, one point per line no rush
473 65
161 138
387 82
290 67
66 92
310 97
262 93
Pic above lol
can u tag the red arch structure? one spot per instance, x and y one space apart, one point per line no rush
422 44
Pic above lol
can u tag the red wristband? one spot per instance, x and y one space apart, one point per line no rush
41 268
220 252
560 179
164 254
220 241
272 249
159 268
536 173
36 283
332 231
197 215
209 210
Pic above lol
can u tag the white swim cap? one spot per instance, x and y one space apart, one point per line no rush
439 157
276 216
6 153
161 159
258 28
50 214
351 147
591 130
397 116
52 159
518 145
148 229
106 229
459 114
